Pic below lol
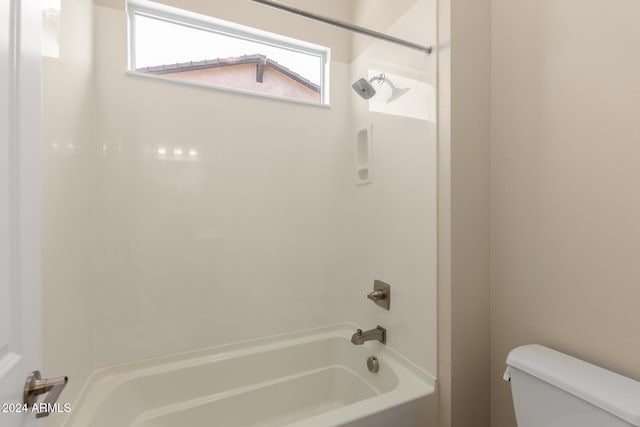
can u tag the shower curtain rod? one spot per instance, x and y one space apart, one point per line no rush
346 26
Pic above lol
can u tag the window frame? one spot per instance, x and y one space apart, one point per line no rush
198 21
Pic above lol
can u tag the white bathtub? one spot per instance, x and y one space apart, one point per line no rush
314 378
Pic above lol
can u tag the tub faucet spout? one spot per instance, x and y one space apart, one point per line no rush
378 334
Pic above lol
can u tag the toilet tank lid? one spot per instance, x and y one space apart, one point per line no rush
614 393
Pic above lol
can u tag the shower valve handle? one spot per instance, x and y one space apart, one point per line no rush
381 294
377 295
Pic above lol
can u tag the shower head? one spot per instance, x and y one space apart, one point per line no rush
366 90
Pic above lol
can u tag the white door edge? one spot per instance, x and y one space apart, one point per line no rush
20 203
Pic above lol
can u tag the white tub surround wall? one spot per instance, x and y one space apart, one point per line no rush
221 217
393 220
314 378
264 218
242 239
69 142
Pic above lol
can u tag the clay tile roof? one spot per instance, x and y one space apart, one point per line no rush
227 62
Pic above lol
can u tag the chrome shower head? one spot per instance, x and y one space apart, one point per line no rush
364 89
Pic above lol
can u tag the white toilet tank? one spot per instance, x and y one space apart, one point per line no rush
552 389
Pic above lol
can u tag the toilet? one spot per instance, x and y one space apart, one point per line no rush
552 389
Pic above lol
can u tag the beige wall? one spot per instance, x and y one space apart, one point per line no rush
565 183
464 144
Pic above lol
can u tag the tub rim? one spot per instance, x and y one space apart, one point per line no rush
121 372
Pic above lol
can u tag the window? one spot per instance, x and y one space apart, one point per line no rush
51 28
181 45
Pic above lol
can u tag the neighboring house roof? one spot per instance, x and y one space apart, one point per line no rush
261 62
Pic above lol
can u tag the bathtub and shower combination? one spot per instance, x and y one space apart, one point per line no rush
326 377
316 378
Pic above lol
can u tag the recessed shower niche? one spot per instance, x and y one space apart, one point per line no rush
364 154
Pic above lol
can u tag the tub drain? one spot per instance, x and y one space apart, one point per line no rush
373 364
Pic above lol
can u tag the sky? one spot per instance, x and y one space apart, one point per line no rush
160 42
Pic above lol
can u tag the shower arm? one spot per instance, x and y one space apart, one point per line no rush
382 79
